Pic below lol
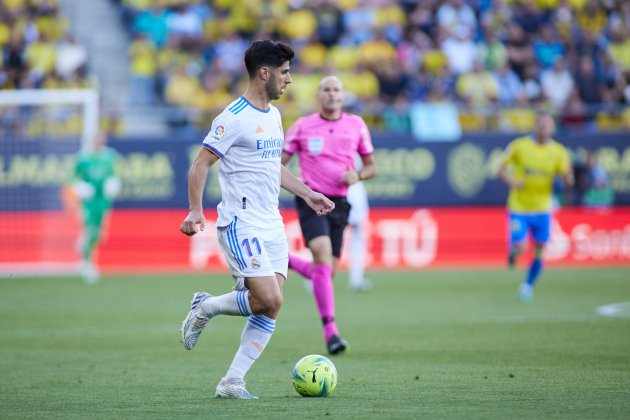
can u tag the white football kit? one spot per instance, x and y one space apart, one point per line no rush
251 233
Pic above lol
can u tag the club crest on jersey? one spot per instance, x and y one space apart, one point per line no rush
315 145
255 264
219 131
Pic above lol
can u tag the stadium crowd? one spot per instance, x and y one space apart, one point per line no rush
38 51
498 60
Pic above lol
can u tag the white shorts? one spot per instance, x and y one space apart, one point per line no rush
253 252
358 199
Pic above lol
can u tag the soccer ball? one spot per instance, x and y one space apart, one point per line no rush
314 376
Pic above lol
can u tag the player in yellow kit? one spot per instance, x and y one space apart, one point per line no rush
529 167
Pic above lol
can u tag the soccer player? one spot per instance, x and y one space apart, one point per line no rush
95 183
247 138
529 167
357 221
326 143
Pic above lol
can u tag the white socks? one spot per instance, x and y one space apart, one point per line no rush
357 259
256 335
233 303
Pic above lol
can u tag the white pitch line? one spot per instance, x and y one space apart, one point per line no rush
617 310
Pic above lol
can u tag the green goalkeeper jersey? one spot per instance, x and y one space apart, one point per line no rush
95 169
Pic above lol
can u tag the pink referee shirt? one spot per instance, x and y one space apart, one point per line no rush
326 149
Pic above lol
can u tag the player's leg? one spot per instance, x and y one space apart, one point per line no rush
302 266
357 219
312 227
328 255
518 234
265 300
324 292
236 303
540 227
93 216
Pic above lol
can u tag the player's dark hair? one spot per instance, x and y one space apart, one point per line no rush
266 53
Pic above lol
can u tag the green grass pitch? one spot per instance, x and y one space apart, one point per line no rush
429 344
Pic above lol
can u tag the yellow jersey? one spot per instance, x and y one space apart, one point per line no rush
536 165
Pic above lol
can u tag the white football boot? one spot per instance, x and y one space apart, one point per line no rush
195 322
233 388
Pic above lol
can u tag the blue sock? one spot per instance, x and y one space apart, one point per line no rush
534 271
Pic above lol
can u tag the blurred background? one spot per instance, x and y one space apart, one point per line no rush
443 84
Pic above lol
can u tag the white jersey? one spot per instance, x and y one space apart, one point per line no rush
249 142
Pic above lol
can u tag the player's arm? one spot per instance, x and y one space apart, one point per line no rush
286 157
566 170
291 142
505 176
196 184
369 167
504 173
368 171
568 179
366 151
318 202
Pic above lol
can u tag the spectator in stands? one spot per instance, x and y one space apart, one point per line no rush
557 84
186 26
590 88
460 50
182 88
492 53
359 22
620 50
477 88
574 114
453 15
422 17
396 115
531 85
329 23
509 87
71 56
143 62
229 52
519 49
392 81
496 19
528 17
13 64
153 24
547 48
41 57
592 17
592 183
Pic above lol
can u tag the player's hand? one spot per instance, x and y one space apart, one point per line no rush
516 184
189 225
350 176
84 190
320 203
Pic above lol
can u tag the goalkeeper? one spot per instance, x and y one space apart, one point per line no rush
96 185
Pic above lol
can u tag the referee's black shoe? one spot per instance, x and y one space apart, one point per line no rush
336 345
